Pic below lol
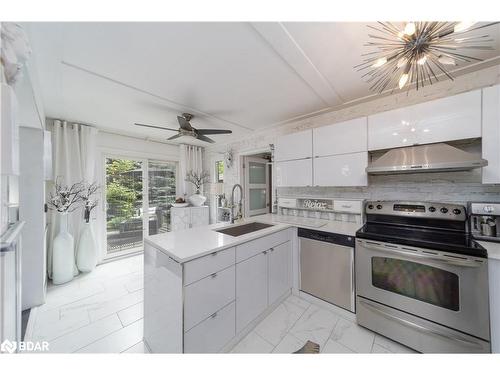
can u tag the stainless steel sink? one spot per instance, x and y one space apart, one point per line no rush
240 230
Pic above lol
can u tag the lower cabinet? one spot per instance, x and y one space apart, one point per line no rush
212 334
251 289
280 271
261 281
201 305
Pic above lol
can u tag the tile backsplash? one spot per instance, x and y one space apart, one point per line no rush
452 187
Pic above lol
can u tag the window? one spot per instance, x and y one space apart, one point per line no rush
219 171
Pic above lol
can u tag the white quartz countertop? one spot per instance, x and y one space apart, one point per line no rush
189 244
493 249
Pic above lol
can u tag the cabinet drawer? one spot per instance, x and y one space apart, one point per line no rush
211 335
199 268
348 206
251 248
208 295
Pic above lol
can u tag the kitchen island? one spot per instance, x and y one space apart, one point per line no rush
205 290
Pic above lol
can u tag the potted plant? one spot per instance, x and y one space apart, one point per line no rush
86 255
64 199
197 179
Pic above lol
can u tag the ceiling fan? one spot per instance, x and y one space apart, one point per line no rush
186 129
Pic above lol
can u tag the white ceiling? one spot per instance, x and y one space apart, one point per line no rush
237 76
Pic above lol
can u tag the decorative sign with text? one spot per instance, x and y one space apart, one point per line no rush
316 204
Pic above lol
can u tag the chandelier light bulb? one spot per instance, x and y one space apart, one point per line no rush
422 60
401 62
380 62
410 29
446 60
403 80
462 26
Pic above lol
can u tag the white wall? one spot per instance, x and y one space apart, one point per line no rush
463 185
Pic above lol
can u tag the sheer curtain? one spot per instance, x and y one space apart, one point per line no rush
74 157
190 160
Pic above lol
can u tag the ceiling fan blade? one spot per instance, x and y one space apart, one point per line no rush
214 131
184 123
174 137
155 127
206 139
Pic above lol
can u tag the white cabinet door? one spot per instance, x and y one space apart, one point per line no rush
294 173
211 335
251 289
341 170
293 146
341 138
446 119
199 216
491 134
180 218
280 266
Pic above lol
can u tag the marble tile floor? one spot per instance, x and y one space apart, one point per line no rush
296 320
99 312
102 312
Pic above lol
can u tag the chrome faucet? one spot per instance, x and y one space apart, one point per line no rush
240 213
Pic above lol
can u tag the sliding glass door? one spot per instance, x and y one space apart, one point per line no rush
139 194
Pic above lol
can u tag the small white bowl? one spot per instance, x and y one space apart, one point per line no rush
180 204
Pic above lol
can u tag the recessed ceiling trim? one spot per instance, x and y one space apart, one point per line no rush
283 43
184 107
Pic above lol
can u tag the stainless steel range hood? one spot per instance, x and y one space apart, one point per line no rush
437 157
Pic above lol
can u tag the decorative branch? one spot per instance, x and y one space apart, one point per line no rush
90 202
198 179
66 199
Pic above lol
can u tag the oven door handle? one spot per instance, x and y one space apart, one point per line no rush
414 254
418 327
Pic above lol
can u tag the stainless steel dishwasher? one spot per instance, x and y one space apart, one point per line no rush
327 266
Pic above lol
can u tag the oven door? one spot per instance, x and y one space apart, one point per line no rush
445 288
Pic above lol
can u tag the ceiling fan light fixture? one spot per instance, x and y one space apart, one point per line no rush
380 62
402 80
410 28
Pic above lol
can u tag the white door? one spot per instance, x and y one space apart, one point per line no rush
294 173
256 186
279 271
251 289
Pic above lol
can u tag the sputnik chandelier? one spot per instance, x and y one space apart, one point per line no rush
419 53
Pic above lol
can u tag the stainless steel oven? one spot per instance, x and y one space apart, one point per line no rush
423 282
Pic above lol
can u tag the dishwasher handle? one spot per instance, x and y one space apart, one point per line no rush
335 238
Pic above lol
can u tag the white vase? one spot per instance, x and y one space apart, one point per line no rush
63 253
197 200
86 254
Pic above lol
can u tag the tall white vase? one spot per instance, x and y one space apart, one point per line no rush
86 255
63 253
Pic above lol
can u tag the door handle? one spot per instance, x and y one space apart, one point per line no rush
417 326
395 249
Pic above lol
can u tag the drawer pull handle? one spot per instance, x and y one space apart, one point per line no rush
213 315
272 249
214 275
264 252
214 253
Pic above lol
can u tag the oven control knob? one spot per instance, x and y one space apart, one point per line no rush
370 206
456 211
444 210
432 209
379 206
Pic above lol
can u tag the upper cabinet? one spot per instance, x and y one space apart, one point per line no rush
341 170
294 146
340 138
491 134
452 118
294 173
